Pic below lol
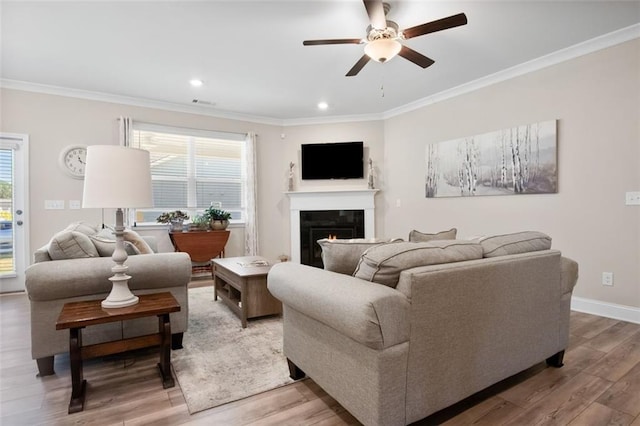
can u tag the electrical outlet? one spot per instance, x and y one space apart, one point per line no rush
607 278
74 204
632 198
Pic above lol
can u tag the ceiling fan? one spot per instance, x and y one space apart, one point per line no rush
383 40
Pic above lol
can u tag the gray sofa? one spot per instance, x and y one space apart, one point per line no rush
429 336
52 283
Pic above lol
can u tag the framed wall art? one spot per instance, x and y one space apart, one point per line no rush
517 160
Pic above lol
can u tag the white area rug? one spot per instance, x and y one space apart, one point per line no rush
222 362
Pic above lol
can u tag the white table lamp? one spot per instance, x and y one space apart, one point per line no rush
117 177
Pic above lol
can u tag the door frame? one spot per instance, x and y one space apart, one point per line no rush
15 282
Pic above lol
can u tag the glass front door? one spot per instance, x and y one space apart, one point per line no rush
13 245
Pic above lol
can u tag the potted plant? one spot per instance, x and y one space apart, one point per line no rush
199 223
218 218
174 218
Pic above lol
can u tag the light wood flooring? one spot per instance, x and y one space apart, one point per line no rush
599 385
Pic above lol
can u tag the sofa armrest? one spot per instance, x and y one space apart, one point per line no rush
568 274
372 314
61 279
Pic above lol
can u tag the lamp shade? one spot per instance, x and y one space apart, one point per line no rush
382 49
117 177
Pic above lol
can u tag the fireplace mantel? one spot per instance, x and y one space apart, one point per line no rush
345 199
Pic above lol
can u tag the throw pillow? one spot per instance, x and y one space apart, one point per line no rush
421 237
106 246
519 242
85 228
383 264
134 238
71 245
342 256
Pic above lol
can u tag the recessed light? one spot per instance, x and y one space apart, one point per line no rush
323 105
196 82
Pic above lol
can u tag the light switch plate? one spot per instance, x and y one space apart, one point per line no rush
54 204
74 204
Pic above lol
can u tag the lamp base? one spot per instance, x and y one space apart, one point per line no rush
120 295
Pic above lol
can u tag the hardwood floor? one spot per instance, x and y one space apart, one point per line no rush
599 385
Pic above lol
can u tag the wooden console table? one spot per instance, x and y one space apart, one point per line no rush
77 315
244 288
201 246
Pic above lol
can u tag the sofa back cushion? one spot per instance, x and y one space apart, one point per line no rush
71 245
421 237
382 264
518 242
107 246
342 256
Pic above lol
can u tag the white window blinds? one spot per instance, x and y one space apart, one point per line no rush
192 169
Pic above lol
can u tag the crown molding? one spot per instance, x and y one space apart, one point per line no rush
580 49
563 55
139 102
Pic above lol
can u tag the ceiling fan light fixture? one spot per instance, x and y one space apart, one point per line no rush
383 49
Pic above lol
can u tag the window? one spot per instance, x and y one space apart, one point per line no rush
191 170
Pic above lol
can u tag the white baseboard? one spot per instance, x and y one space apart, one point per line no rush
604 309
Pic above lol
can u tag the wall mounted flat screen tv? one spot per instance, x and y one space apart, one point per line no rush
341 160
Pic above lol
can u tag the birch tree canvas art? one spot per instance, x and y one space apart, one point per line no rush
518 160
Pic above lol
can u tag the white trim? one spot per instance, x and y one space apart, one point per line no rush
357 199
605 309
589 46
127 100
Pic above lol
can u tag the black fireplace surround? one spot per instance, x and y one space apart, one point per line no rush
318 224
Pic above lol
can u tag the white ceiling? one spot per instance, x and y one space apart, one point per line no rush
250 53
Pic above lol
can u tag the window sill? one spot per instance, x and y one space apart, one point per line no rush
154 227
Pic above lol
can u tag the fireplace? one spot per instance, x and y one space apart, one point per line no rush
318 224
301 202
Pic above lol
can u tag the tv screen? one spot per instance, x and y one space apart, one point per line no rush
342 160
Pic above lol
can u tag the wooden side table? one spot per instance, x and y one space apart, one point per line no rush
77 315
202 246
244 288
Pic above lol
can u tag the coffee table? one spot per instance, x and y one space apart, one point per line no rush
242 285
77 315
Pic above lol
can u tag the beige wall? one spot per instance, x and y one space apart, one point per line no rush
53 122
596 100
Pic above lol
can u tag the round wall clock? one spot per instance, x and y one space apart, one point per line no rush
73 159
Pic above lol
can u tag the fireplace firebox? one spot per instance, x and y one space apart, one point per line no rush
318 224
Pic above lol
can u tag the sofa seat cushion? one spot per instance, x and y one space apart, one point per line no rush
71 245
515 243
342 256
383 264
373 315
421 237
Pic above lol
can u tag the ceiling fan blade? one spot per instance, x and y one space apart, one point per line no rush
434 26
334 41
375 10
415 57
358 66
